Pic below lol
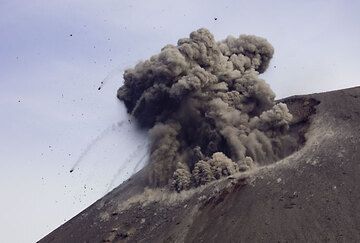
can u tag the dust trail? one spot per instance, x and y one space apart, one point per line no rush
112 74
139 148
139 163
113 127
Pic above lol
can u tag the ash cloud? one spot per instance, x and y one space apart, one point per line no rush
209 113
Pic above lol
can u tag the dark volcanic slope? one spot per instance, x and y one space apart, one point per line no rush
312 195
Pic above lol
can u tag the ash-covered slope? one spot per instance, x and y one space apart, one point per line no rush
311 195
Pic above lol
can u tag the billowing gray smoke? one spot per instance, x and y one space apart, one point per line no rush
209 113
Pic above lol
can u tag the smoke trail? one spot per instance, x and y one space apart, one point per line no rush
131 157
138 164
111 75
113 127
209 113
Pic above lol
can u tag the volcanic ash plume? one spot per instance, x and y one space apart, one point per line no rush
209 113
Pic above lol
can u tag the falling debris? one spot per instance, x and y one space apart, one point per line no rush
111 75
207 109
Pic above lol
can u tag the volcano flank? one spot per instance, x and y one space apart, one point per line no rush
228 162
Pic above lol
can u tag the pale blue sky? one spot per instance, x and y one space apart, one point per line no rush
54 55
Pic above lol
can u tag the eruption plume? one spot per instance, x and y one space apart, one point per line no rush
209 113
